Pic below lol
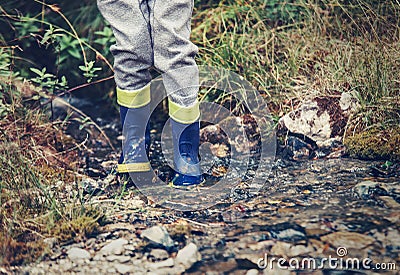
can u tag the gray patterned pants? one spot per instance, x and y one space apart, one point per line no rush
153 33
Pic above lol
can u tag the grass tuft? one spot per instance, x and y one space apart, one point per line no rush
34 175
292 50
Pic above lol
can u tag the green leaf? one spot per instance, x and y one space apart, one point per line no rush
36 71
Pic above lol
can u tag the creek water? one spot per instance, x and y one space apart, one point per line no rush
343 208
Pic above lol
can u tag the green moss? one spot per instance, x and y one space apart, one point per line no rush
77 229
375 143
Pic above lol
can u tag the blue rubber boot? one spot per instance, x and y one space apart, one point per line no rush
186 139
135 114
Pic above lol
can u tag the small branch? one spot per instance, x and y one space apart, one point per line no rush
85 85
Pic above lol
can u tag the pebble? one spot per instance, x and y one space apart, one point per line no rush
114 247
158 235
188 256
77 254
121 259
124 268
252 272
167 263
129 247
51 242
366 189
287 232
159 254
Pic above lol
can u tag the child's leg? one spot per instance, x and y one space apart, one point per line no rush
133 56
174 55
173 51
133 51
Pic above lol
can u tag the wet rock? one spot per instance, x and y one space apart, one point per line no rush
348 240
158 254
249 261
321 118
114 247
389 202
188 256
242 137
166 263
298 149
367 189
75 254
124 268
158 235
389 239
286 231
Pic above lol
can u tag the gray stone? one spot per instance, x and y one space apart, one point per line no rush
129 247
167 263
75 254
158 235
252 272
110 270
159 254
307 120
114 247
121 259
188 256
366 189
321 118
51 242
124 268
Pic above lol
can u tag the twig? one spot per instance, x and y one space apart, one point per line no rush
85 85
194 222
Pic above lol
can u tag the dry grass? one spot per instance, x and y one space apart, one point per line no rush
33 176
323 48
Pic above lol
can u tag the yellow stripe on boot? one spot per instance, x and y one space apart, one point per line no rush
134 98
133 167
182 114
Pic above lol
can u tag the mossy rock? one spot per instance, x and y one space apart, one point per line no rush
375 144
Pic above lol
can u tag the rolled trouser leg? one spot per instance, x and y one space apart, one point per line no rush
174 53
135 115
133 51
185 136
